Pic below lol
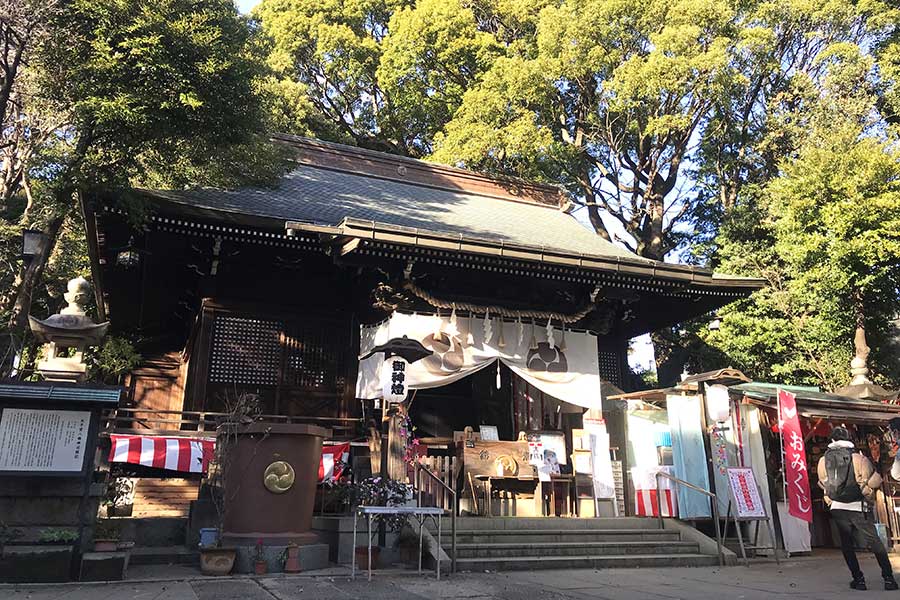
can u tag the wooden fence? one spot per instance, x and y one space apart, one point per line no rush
145 421
447 470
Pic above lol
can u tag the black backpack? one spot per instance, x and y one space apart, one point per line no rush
841 485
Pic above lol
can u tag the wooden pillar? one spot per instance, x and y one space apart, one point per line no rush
396 467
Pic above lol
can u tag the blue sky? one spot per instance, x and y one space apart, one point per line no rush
245 5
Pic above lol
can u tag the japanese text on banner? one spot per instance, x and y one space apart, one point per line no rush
796 476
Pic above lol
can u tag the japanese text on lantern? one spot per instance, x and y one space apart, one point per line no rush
394 378
795 468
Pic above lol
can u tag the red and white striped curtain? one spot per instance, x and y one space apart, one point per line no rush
335 459
192 455
187 455
645 492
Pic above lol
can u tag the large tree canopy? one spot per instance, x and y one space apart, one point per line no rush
648 111
825 234
113 93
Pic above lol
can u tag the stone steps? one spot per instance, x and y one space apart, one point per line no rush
164 555
535 536
628 561
553 523
513 543
578 549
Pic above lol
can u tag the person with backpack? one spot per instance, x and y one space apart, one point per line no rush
850 482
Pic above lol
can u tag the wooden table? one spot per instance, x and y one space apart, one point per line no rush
488 482
560 482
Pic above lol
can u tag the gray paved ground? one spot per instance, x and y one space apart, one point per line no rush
821 577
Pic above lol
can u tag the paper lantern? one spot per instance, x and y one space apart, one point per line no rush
394 373
718 403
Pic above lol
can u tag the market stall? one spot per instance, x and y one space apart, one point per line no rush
818 413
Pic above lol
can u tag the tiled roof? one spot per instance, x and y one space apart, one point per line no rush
323 196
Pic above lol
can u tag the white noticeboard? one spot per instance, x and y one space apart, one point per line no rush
745 494
43 440
604 482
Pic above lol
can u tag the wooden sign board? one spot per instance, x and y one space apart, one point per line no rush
483 457
745 496
43 441
582 463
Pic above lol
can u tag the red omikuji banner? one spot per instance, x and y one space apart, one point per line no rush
796 475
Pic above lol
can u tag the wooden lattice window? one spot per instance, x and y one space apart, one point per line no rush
315 355
608 363
245 351
291 354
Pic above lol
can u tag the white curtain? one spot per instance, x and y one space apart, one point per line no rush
570 374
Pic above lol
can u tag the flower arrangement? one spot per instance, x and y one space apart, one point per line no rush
381 491
410 441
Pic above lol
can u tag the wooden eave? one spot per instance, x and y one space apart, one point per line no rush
422 238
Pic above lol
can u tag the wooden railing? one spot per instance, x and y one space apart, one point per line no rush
150 421
443 471
426 479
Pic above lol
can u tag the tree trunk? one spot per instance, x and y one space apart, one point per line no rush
653 244
29 276
597 222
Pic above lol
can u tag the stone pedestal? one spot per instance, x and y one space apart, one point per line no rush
36 564
103 566
271 484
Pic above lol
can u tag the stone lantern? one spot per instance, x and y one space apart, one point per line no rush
861 387
66 335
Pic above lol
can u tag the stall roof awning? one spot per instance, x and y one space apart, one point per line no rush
645 395
837 414
724 376
688 385
815 404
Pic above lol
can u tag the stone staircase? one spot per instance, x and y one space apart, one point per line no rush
158 541
517 543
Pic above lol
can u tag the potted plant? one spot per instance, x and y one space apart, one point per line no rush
218 559
380 491
259 565
291 558
106 536
57 536
119 499
7 534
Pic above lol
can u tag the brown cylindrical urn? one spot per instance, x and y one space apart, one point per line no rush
270 488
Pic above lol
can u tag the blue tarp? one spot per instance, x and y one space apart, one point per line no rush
689 455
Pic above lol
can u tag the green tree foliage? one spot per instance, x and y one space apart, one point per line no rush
825 235
382 74
117 93
673 120
653 113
